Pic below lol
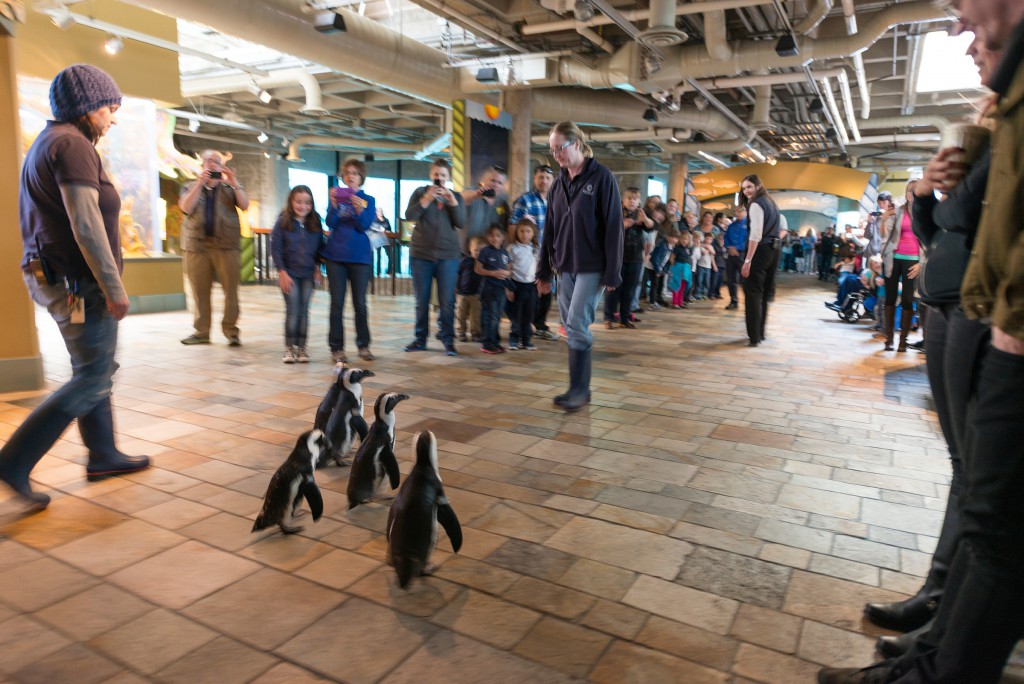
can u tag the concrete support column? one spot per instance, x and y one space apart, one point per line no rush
677 178
21 366
519 103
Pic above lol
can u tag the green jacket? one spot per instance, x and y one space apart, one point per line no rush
993 286
227 228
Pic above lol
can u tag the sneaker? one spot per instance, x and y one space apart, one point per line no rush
629 324
196 339
545 335
513 346
415 346
635 319
289 355
610 325
638 310
365 354
463 337
561 331
530 347
233 341
654 307
450 350
301 356
339 356
476 339
488 349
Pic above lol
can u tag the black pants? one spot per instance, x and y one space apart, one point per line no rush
982 615
619 301
757 287
733 276
540 315
900 275
523 308
657 284
492 301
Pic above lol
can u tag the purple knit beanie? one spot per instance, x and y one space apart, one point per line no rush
80 89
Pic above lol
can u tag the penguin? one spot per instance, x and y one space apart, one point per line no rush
412 521
326 408
376 455
293 481
347 420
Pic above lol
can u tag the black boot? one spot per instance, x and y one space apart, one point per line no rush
97 428
906 319
890 323
562 398
879 673
579 380
27 445
895 646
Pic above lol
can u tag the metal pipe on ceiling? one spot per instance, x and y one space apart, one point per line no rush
640 15
837 121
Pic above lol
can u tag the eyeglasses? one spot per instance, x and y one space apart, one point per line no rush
544 168
559 148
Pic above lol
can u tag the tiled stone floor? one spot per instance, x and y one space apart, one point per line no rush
719 514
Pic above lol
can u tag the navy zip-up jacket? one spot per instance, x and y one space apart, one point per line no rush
295 251
583 227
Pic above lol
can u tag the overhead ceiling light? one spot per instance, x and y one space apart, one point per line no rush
487 75
232 116
584 11
261 93
651 115
772 161
193 125
713 159
61 18
263 137
266 155
362 8
787 47
113 44
391 10
672 104
672 138
817 106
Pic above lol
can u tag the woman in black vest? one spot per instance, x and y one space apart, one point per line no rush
763 253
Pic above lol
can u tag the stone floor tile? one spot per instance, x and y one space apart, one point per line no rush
549 598
688 642
338 568
844 569
531 559
493 621
175 513
719 539
13 554
133 499
223 530
682 604
770 667
521 521
615 619
117 547
286 673
385 639
24 641
721 519
94 611
153 641
739 577
266 608
40 583
794 535
600 579
286 552
423 598
75 663
65 520
450 657
478 575
765 627
179 576
835 647
832 601
786 555
221 661
625 662
563 646
820 501
601 541
899 517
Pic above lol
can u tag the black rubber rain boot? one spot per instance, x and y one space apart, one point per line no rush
906 320
579 372
27 445
105 460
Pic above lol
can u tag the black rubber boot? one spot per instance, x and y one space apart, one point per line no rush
105 460
890 323
895 646
27 445
560 399
579 385
906 319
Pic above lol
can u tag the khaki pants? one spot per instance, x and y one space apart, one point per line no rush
202 268
468 307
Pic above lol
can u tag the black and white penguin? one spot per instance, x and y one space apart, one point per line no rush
326 408
347 420
415 513
293 481
376 455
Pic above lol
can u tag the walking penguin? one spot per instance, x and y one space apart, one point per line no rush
376 455
293 481
346 420
412 521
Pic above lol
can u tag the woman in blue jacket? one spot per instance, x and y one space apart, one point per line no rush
349 257
583 244
295 246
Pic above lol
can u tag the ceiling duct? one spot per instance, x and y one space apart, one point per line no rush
661 28
284 77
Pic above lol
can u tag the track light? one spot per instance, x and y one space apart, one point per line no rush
672 104
651 115
193 125
263 137
584 11
61 18
261 93
817 106
113 44
787 47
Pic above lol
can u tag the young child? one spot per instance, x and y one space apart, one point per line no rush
696 238
468 290
705 266
660 264
718 274
295 244
682 270
618 304
493 264
522 296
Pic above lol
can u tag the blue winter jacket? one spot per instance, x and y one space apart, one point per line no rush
295 251
348 242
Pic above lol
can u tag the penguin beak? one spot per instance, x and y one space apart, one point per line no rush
369 374
401 397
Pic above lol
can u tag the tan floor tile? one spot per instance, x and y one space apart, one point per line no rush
24 641
117 547
76 663
385 639
688 642
549 598
13 554
770 667
488 619
65 520
286 673
563 646
153 641
423 598
682 604
786 555
179 576
602 541
615 619
472 573
223 530
221 661
338 568
94 611
176 513
835 647
641 466
247 607
629 663
132 499
522 521
749 436
286 552
40 583
767 627
350 537
600 579
835 602
449 657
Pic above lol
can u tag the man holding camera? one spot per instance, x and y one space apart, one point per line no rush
210 241
485 206
878 225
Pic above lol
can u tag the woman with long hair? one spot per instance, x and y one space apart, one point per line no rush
761 261
583 239
72 266
295 244
901 254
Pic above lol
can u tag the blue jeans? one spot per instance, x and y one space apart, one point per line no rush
492 302
424 272
578 297
296 311
338 275
703 281
91 346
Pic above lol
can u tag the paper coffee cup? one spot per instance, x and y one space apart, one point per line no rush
971 139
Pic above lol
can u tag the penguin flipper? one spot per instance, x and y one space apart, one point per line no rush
390 463
450 522
313 497
391 521
359 425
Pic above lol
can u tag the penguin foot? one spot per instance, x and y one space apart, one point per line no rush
343 462
299 513
286 529
428 569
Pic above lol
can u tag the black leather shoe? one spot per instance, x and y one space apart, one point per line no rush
895 646
878 673
903 616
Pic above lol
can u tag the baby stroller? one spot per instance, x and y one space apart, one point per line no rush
853 308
